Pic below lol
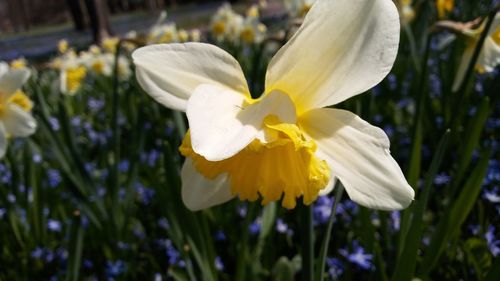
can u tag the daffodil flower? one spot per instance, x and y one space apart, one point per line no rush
298 8
15 106
406 11
489 56
444 7
285 145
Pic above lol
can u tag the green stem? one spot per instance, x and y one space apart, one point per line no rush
307 243
320 274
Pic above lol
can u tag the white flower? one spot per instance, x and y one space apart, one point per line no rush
489 57
298 8
285 144
15 106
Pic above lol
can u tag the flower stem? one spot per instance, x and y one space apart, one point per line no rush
307 243
320 274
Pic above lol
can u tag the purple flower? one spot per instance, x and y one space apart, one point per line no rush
219 265
442 179
358 257
335 268
492 195
54 225
493 242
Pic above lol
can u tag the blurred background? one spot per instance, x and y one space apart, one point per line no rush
32 28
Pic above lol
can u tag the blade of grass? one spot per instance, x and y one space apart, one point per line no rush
323 252
405 266
455 216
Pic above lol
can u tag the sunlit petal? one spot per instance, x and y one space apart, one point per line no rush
223 122
343 48
358 154
171 72
199 192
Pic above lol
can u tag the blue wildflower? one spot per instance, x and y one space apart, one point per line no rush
220 236
3 211
219 265
322 209
54 177
11 198
37 253
163 223
54 124
281 226
254 227
392 81
114 269
358 257
123 166
492 195
54 225
395 220
335 268
493 243
37 158
442 178
87 264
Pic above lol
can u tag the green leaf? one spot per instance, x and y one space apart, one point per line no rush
75 254
284 270
478 255
451 222
469 144
494 273
405 266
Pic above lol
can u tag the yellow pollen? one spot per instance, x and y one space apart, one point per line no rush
74 77
284 167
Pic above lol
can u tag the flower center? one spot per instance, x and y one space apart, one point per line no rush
285 166
18 98
74 77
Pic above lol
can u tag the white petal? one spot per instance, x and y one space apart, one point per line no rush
171 72
4 67
489 57
3 141
18 122
222 122
358 154
12 80
343 48
199 193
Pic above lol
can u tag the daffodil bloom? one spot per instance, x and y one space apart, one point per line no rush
62 46
406 11
226 24
72 72
489 56
18 63
298 8
285 145
109 44
444 7
15 106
